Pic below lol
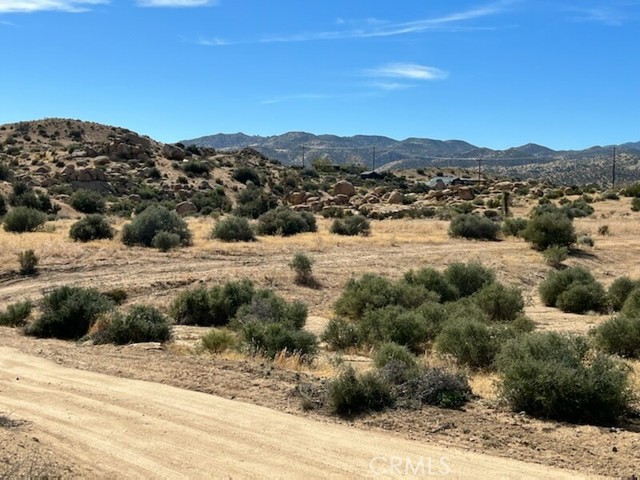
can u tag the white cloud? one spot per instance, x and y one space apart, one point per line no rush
176 3
391 86
605 15
409 71
210 42
28 6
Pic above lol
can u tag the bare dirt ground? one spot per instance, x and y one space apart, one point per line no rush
151 277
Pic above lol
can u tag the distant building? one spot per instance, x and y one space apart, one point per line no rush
371 175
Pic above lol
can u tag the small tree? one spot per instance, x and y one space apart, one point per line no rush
549 229
302 265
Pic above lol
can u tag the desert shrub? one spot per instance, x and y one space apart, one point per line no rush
268 307
351 226
165 241
233 229
246 174
340 334
191 307
392 352
499 302
470 342
28 261
140 324
577 209
272 338
3 206
16 314
553 376
555 255
23 219
560 289
603 230
88 201
24 196
586 240
635 204
286 222
117 295
214 200
549 229
91 227
632 190
351 394
514 226
395 324
253 202
609 195
474 227
219 340
468 278
68 312
5 172
153 220
619 336
619 290
434 281
196 167
302 265
631 306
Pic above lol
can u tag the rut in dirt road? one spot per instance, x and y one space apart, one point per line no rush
133 429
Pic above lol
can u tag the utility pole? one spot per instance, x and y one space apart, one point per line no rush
374 159
613 171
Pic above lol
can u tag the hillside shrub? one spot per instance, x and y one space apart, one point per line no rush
197 168
549 375
619 291
139 324
88 201
253 202
165 241
433 386
631 306
434 281
632 190
302 265
3 206
68 313
340 334
286 222
573 290
24 196
468 278
214 199
273 338
514 226
635 204
16 314
470 342
117 295
153 220
619 336
28 261
268 307
392 352
23 219
499 302
555 255
550 229
5 172
351 393
219 340
351 225
577 209
475 227
91 227
246 174
233 229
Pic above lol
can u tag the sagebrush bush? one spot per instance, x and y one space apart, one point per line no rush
16 314
23 219
28 261
88 201
631 306
302 265
25 196
268 307
5 172
499 302
219 340
340 334
555 255
395 324
434 281
253 202
514 226
3 206
470 342
165 241
213 200
91 227
117 295
233 229
560 289
635 204
246 174
468 225
273 338
468 278
549 375
191 307
392 352
139 324
68 313
153 220
619 336
619 290
286 222
550 229
351 393
351 226
429 386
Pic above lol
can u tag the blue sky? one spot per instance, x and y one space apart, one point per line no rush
565 74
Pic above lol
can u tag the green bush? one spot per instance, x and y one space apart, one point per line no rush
273 338
631 306
213 200
233 229
619 290
5 172
577 209
68 313
17 314
619 336
514 226
395 324
500 303
117 295
635 204
153 220
268 307
302 265
246 174
88 201
91 227
219 340
573 290
633 190
23 219
196 167
28 261
351 394
553 376
351 226
253 202
191 307
470 342
554 256
140 324
340 334
468 225
468 278
3 206
24 196
392 352
550 229
286 222
165 241
434 281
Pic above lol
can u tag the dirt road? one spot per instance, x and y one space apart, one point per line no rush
134 429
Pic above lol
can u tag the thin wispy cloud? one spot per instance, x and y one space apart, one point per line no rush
408 71
391 86
176 3
613 14
29 6
211 42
